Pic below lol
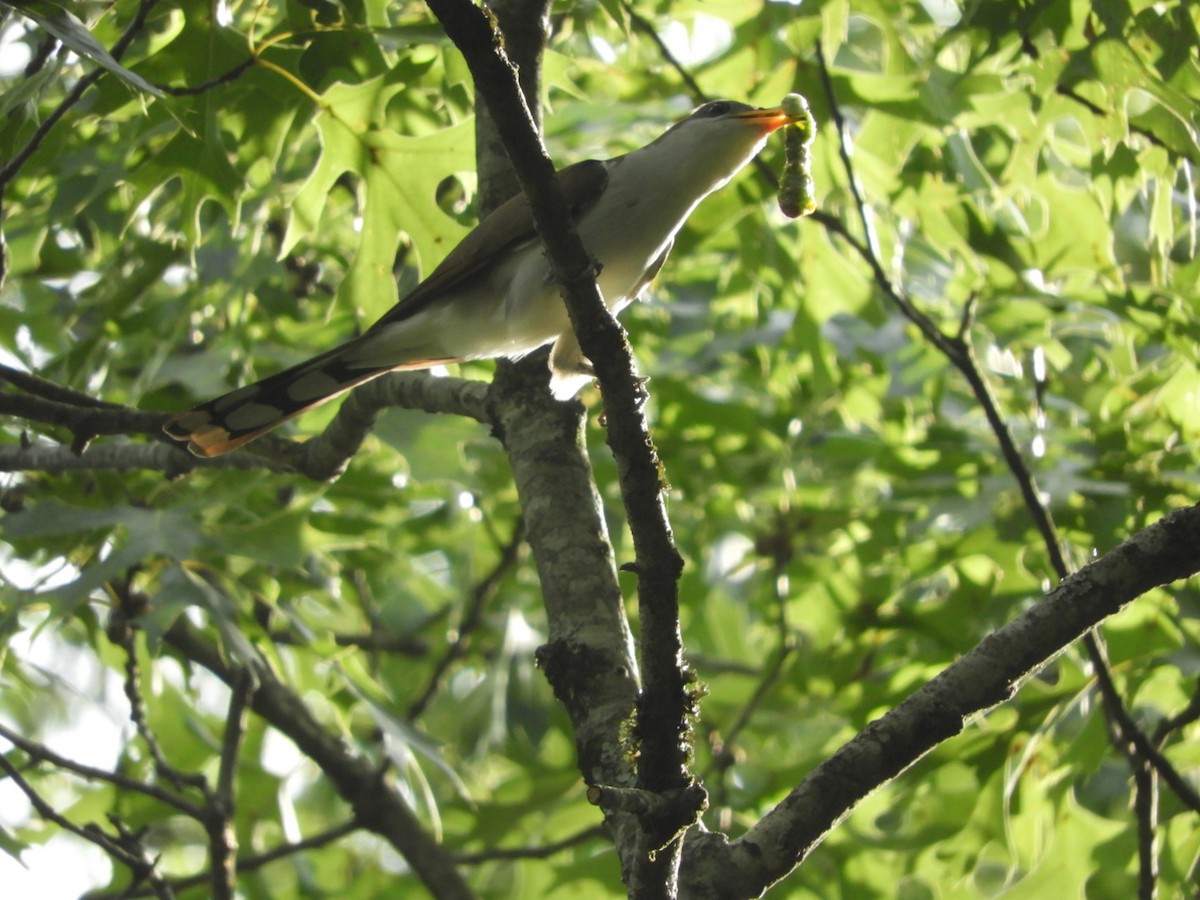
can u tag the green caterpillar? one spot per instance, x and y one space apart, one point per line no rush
796 188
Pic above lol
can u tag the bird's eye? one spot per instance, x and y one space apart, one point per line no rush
717 109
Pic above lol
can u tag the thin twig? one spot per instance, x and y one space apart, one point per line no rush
132 840
41 56
222 837
482 594
41 753
699 95
1128 731
381 641
785 645
90 833
1145 810
10 169
250 863
646 27
224 78
1190 714
869 249
377 805
18 159
591 833
137 715
235 729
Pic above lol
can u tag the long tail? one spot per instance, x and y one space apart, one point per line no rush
236 418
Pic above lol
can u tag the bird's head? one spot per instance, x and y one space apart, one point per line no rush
709 146
740 117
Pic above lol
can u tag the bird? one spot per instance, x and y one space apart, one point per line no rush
494 296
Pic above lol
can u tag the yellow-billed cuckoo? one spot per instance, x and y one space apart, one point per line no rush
493 294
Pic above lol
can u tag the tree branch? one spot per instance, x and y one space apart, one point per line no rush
472 616
222 834
666 706
588 659
137 715
142 868
40 753
250 863
959 351
326 455
988 675
376 803
591 833
321 458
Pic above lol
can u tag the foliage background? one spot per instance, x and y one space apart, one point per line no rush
848 524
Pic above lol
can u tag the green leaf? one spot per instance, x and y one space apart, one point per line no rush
399 178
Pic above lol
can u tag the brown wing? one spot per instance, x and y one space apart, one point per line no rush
509 225
229 421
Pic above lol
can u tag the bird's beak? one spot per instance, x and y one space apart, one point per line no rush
768 119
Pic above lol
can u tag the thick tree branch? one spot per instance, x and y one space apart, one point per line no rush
990 674
588 658
666 703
